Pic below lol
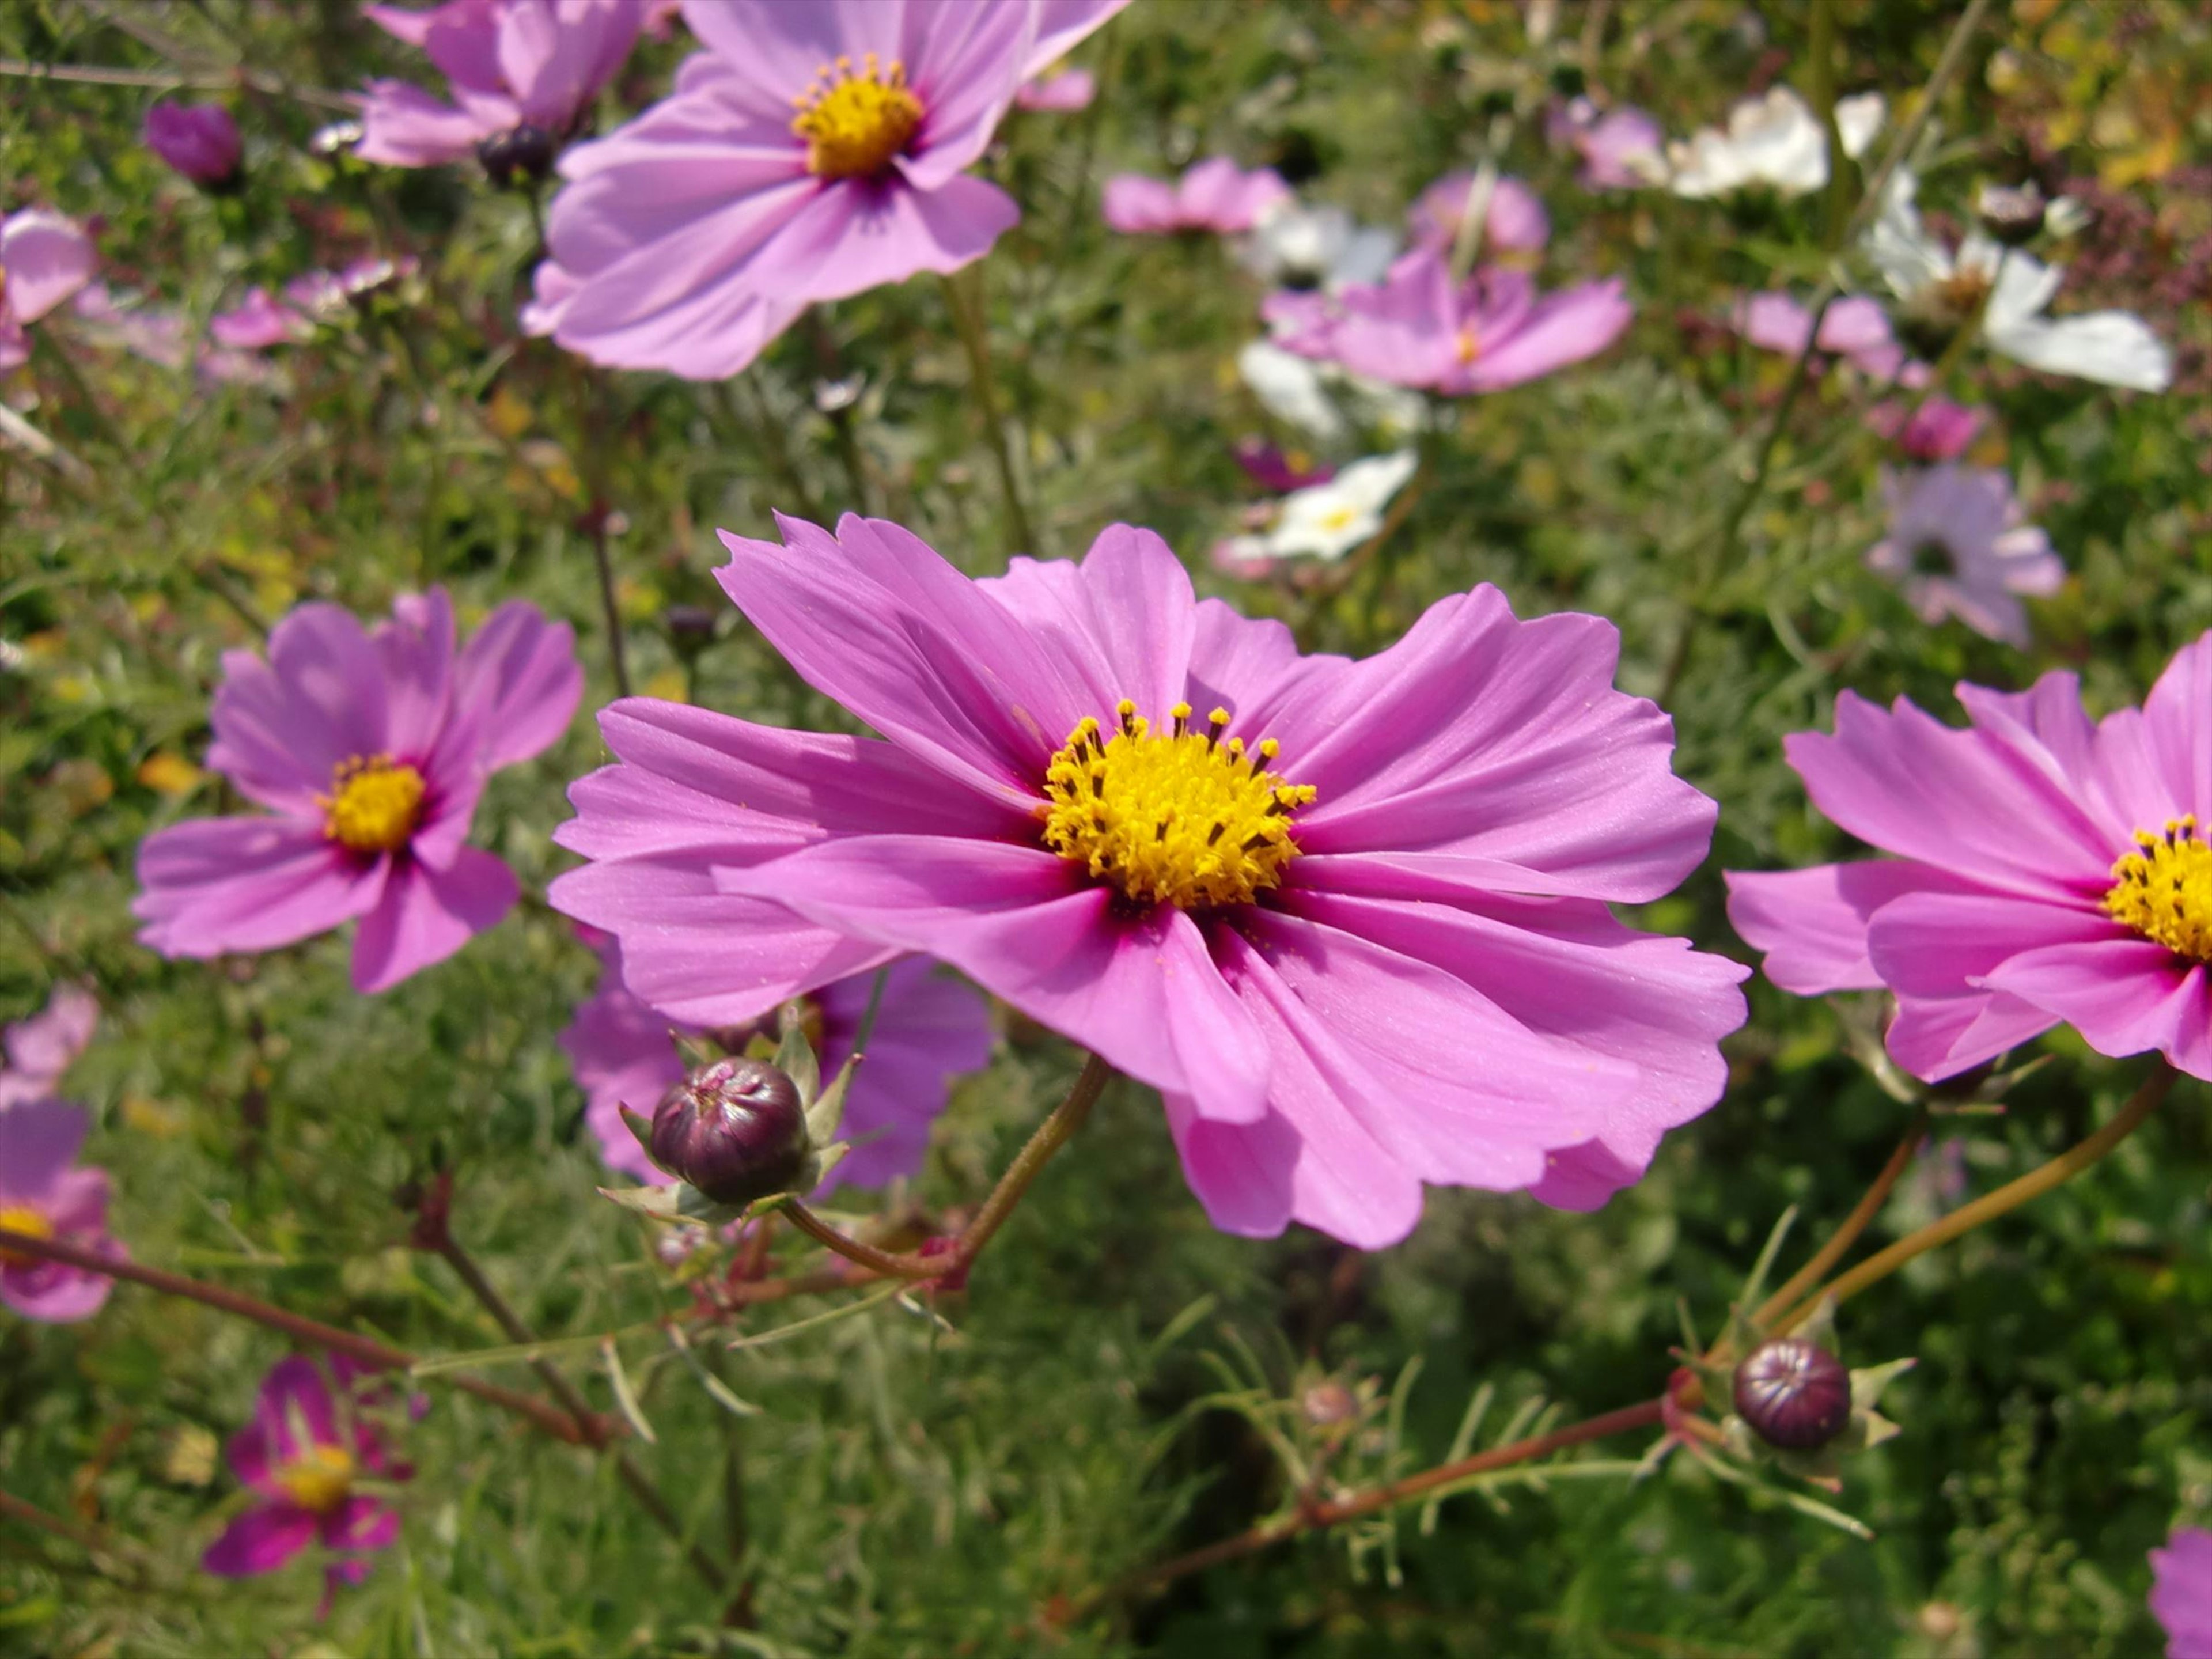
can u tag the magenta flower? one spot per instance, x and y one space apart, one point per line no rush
1216 196
930 1030
41 1048
1854 328
811 153
1622 149
2181 1593
302 1457
42 1195
1939 431
44 259
1350 918
1515 223
1961 546
259 321
200 141
369 750
1276 472
509 64
2046 869
1418 328
1070 89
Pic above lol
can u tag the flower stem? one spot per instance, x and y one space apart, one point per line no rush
640 1485
1855 1222
610 612
93 1541
578 1431
2010 1196
1051 1135
962 300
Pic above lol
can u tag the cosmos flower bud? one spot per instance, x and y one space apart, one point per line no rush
1793 1393
2012 213
735 1130
521 154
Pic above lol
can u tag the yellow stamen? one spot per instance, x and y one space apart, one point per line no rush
1470 344
1175 817
1338 517
319 1479
373 805
2165 892
853 125
32 1223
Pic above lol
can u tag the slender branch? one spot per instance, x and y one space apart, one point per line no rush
610 610
91 1540
968 319
102 75
2010 1196
1051 1135
1847 1234
377 1356
640 1483
1389 1496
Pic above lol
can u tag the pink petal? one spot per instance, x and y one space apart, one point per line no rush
219 884
2179 716
360 1523
1062 25
1560 329
416 646
1121 622
853 236
2124 995
405 126
38 1139
930 1028
47 1044
521 671
1812 924
965 62
1138 206
46 257
426 914
260 1541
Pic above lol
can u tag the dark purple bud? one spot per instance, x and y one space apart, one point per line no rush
691 630
521 154
735 1130
198 140
2012 213
1794 1393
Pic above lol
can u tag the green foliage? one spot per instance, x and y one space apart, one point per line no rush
1121 1383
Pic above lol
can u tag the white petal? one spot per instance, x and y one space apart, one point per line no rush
1291 388
2112 348
1857 119
2025 285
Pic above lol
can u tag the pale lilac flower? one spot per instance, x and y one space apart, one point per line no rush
1217 196
44 258
259 321
1854 327
1939 431
509 64
1960 545
200 141
1514 222
2045 868
1350 918
1622 149
1069 90
41 1048
2005 293
369 748
41 1195
811 153
302 1456
929 1029
142 329
1490 332
2181 1593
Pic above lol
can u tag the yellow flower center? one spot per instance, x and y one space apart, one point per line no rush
1470 344
32 1223
1338 517
2165 892
373 804
319 1478
1179 817
854 124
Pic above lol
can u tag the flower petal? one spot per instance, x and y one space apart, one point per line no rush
1812 924
219 884
521 671
260 1541
426 914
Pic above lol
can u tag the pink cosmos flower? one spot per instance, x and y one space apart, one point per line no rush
41 1048
1350 918
259 321
1960 545
44 259
42 1195
302 1456
1939 431
1418 328
2045 868
508 64
2181 1593
1516 221
200 141
1622 149
1216 195
1856 328
1070 89
1276 472
369 748
812 152
930 1030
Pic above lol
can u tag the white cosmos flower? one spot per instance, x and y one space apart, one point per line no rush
2113 348
1313 396
1328 520
1294 245
1775 142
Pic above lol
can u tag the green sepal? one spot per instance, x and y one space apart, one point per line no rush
673 1205
794 1055
641 1130
826 1111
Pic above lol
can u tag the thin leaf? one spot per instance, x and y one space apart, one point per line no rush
1462 1441
625 1396
781 1332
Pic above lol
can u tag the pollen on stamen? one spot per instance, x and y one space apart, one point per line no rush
1174 818
2163 890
